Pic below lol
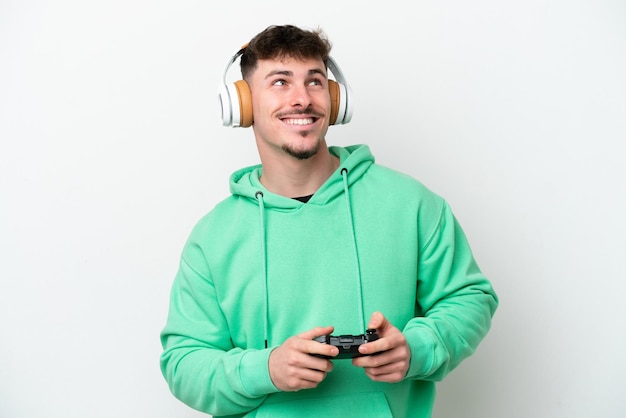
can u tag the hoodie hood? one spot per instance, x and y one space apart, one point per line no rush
356 159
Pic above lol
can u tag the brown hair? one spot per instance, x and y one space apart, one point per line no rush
284 41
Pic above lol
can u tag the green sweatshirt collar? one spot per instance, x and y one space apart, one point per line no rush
355 158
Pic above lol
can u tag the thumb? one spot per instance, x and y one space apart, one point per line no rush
377 321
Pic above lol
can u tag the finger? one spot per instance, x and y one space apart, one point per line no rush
322 349
385 343
391 377
305 344
378 321
316 332
383 368
394 343
303 379
379 359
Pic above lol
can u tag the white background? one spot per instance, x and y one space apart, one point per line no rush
111 149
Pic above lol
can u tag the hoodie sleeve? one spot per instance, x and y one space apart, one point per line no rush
456 301
199 362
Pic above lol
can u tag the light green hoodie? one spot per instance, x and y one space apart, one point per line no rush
262 267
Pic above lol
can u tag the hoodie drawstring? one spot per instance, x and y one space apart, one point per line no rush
344 175
259 196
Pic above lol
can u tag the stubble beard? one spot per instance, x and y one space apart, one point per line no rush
302 154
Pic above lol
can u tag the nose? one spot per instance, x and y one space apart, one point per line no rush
300 96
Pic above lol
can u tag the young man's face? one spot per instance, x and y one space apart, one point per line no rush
291 105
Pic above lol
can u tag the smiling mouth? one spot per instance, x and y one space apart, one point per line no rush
299 121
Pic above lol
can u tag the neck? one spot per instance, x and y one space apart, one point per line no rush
291 177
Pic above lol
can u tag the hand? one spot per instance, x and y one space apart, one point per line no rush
291 365
393 355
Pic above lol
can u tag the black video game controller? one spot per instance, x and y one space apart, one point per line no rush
348 345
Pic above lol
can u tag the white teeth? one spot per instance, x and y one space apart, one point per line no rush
298 121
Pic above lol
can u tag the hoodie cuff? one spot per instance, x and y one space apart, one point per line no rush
426 353
255 374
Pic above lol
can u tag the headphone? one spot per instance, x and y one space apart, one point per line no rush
235 98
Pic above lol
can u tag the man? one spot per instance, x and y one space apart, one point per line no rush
318 241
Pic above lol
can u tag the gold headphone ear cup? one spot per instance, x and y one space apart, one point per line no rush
333 89
245 103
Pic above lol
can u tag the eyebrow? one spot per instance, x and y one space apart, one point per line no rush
288 73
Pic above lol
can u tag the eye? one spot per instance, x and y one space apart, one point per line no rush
316 82
279 82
